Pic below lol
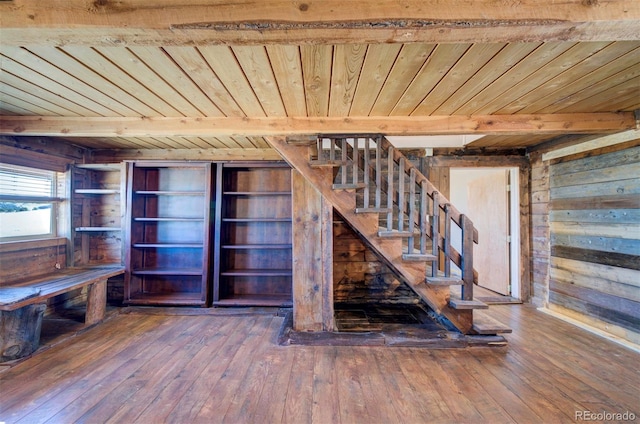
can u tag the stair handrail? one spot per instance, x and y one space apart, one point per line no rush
434 192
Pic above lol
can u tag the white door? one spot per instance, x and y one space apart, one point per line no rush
488 207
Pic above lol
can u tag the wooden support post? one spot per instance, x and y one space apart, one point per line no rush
312 258
467 257
96 302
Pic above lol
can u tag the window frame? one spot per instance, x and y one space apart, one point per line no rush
54 200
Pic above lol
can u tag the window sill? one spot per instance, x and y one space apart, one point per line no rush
14 246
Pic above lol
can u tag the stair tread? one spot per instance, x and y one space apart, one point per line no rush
349 186
457 303
328 163
372 210
395 233
485 324
444 281
418 257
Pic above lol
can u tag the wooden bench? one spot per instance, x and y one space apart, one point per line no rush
22 304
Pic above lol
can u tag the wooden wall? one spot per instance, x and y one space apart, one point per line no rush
540 247
24 259
594 237
359 276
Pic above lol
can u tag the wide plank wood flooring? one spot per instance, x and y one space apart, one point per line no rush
152 368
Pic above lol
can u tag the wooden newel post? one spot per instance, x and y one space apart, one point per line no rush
467 257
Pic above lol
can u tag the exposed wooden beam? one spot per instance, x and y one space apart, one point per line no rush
166 22
118 155
214 126
605 141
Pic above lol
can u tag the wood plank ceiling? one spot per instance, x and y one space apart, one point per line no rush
316 80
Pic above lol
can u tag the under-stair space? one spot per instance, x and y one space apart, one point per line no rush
403 218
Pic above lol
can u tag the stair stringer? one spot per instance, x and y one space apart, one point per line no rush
389 249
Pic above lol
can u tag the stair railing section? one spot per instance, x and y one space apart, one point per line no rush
389 184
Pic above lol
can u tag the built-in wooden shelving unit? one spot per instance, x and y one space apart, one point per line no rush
168 233
97 205
255 235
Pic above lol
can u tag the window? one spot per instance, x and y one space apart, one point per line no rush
28 203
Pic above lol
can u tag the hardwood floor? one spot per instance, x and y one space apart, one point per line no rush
150 368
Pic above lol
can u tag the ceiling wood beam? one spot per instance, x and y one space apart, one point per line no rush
574 123
118 155
196 22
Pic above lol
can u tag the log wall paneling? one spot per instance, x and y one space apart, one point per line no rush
594 228
360 276
540 247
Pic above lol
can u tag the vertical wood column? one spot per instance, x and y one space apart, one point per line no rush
312 257
96 302
540 245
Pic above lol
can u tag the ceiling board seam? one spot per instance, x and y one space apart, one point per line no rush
386 78
194 83
545 82
138 81
100 75
275 78
467 79
7 100
634 70
413 80
77 81
177 91
41 90
19 69
82 65
408 85
440 80
223 84
631 53
528 71
355 90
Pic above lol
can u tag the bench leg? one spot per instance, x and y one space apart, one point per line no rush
20 334
96 302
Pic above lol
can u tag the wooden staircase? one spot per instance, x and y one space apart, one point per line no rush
400 215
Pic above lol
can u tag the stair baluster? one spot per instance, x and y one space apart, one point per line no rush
378 173
390 178
424 217
412 210
447 240
367 159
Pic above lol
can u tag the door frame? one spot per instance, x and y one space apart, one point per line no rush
513 215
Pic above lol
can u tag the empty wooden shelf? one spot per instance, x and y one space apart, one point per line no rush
255 257
168 233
